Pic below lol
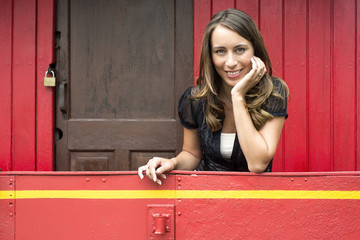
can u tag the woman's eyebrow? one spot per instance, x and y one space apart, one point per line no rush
241 45
237 46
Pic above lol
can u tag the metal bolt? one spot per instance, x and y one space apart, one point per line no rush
104 180
168 228
11 214
87 179
292 179
179 213
11 179
305 179
179 179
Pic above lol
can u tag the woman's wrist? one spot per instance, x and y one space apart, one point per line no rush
236 97
173 162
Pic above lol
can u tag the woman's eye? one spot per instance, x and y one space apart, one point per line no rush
220 52
240 50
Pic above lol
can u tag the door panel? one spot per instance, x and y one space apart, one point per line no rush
124 75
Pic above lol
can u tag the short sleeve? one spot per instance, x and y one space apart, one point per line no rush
188 110
275 105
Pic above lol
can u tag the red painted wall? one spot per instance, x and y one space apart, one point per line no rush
314 47
26 106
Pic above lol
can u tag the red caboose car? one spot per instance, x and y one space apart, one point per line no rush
67 152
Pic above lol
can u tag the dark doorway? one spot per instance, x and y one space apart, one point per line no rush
121 67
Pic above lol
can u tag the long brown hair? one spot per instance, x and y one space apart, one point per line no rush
209 80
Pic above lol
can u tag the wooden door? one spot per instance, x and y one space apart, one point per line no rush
121 67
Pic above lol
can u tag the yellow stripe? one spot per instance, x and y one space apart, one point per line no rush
96 194
270 194
173 194
7 194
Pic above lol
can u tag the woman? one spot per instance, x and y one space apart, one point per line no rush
233 118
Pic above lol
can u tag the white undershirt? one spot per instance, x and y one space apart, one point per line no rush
227 144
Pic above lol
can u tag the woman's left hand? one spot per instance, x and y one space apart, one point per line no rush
250 79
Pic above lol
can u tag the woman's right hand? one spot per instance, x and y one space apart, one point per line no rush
155 168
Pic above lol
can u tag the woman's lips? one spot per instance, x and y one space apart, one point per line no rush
233 74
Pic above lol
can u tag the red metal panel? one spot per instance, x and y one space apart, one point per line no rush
44 95
88 218
5 84
295 67
319 89
271 25
344 85
266 218
251 7
7 208
202 15
220 5
201 213
24 86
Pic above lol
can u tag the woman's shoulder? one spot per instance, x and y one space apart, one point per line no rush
190 96
280 87
191 92
276 104
190 107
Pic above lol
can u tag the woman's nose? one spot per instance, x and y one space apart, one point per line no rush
231 61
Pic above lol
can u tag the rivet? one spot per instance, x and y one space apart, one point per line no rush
179 179
179 200
179 213
11 214
11 204
292 179
305 179
179 186
104 180
87 179
10 184
167 228
11 179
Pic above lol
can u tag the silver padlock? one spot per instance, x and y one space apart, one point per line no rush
49 81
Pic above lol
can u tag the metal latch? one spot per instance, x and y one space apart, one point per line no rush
160 221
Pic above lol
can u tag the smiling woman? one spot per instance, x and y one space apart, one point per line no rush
233 118
231 55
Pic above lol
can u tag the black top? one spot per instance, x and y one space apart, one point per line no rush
191 113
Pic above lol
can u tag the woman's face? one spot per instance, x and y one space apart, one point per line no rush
231 55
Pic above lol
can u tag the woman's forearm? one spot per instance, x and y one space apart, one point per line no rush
185 161
253 144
